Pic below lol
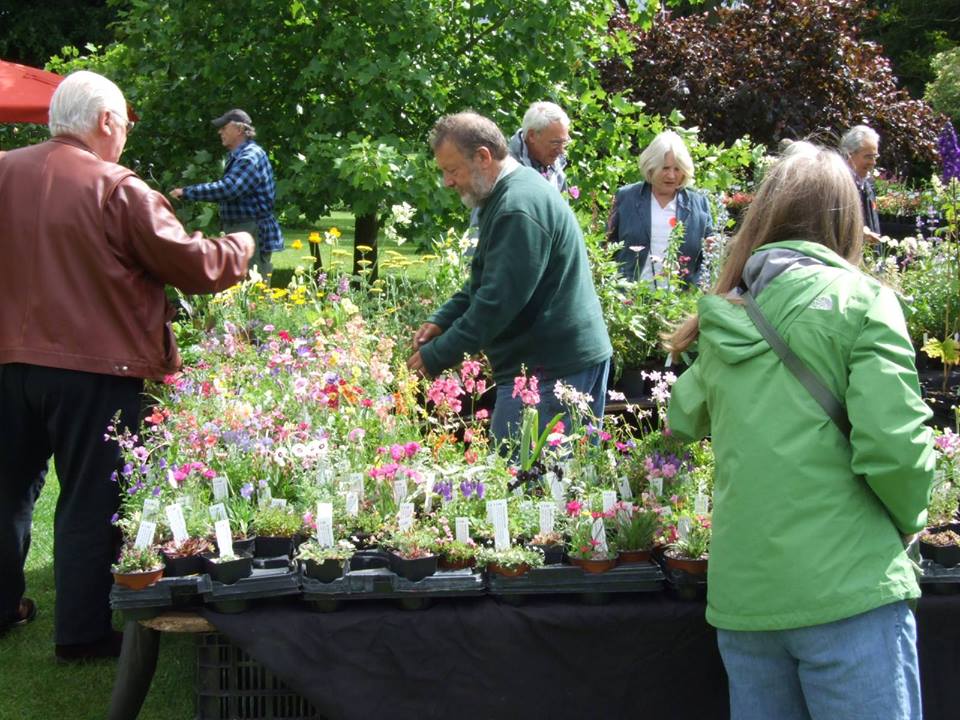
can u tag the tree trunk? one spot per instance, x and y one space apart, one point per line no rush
365 228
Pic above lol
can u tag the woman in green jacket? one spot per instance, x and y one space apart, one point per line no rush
808 575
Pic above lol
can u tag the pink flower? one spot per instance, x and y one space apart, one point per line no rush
527 389
482 414
574 507
574 192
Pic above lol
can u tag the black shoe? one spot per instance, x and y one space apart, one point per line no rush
26 612
108 647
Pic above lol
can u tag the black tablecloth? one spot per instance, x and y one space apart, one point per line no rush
637 656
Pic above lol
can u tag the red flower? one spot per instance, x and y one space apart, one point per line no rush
673 222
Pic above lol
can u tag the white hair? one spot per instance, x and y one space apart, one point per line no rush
651 159
854 138
542 115
79 99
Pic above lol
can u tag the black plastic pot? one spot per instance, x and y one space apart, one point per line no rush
244 545
326 571
413 570
946 556
552 554
181 566
229 571
269 546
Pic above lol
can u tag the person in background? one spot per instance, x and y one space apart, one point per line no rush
530 300
808 577
246 192
860 145
644 213
541 140
83 320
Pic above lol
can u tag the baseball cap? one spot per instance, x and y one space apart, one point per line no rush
235 115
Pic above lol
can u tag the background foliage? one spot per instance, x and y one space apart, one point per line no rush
776 69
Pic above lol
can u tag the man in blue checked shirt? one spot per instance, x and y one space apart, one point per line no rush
246 192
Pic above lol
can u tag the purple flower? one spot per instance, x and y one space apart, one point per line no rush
156 492
949 152
114 518
445 489
247 490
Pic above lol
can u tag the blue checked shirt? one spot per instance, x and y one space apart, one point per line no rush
246 193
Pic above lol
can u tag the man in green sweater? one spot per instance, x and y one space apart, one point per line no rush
530 299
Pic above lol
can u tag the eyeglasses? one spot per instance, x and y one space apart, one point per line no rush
128 124
559 144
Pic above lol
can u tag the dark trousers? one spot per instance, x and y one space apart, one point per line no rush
64 413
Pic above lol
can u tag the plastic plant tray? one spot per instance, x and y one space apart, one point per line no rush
939 579
384 584
263 583
166 593
559 579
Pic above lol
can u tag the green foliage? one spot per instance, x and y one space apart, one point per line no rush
312 550
943 93
511 558
133 560
275 521
748 69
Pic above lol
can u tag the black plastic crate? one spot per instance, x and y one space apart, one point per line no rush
165 594
233 686
939 580
569 579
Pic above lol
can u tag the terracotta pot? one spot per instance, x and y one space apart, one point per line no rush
508 571
691 567
595 566
634 556
445 564
138 580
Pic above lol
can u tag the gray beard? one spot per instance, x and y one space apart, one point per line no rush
479 191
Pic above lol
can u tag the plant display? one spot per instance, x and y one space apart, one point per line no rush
135 560
276 522
413 544
583 542
312 550
512 558
636 526
188 548
696 544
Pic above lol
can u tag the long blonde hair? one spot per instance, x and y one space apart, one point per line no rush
808 194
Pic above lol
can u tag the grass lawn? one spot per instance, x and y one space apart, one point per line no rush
34 687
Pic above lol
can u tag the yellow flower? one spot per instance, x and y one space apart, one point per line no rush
314 237
334 232
364 248
341 252
296 244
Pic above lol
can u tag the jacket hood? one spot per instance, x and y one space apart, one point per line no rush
725 326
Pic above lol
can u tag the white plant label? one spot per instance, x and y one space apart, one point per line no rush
405 517
324 475
399 490
220 488
589 474
497 513
625 492
224 537
556 492
599 533
683 527
353 503
656 486
701 504
186 500
548 513
178 526
356 483
428 493
218 512
264 497
278 503
151 508
325 524
549 477
462 525
145 534
609 500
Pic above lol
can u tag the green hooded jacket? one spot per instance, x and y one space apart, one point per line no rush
806 525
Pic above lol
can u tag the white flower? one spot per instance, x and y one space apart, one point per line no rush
616 395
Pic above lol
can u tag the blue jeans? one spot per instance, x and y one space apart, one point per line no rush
861 667
507 410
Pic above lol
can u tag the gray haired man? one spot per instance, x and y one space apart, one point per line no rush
541 140
860 145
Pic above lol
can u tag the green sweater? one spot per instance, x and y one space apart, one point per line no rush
806 525
530 298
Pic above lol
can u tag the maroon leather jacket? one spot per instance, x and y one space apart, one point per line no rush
88 247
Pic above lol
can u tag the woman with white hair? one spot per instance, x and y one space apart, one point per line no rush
805 381
645 213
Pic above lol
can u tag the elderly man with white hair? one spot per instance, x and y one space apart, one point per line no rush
860 145
541 141
84 319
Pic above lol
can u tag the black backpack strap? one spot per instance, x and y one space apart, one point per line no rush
814 385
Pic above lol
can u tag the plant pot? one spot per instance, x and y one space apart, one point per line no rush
230 571
632 383
138 580
182 566
445 564
634 556
690 566
326 571
413 570
595 566
243 546
503 571
552 554
946 556
268 546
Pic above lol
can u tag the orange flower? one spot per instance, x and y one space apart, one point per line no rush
673 222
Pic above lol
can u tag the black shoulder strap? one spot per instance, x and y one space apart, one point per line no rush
814 385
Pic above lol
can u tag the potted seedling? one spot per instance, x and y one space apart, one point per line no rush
136 568
275 528
513 561
325 564
413 553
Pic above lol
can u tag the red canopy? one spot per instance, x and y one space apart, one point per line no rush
25 93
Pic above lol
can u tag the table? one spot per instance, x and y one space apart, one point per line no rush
640 655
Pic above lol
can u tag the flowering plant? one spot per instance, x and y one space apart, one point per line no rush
696 544
414 543
583 542
636 526
511 558
133 560
532 439
312 550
